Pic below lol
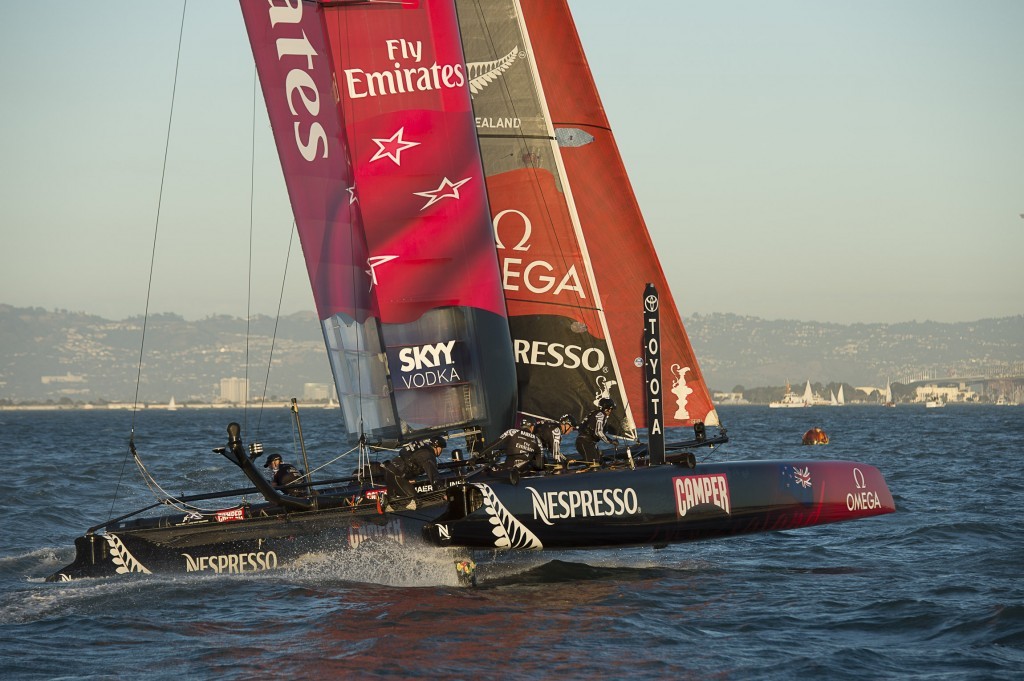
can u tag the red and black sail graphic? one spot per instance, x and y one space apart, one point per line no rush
552 164
564 362
371 112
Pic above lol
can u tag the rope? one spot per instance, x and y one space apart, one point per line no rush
152 257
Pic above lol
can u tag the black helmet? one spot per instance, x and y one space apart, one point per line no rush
271 459
527 423
606 403
569 420
437 442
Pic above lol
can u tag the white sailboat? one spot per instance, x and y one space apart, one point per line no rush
887 401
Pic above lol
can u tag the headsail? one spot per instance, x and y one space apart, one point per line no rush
574 248
371 112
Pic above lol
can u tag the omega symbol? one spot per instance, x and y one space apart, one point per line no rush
858 479
524 243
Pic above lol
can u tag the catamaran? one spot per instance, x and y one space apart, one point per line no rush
476 256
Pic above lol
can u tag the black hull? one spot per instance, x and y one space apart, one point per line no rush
242 539
657 505
613 506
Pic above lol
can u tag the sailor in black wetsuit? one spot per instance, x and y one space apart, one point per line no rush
550 436
523 451
410 463
285 474
592 431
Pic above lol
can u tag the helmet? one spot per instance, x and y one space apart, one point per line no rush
606 403
527 423
271 459
437 442
569 420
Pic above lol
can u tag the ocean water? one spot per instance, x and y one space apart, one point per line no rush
933 591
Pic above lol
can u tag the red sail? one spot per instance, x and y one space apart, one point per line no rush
374 125
290 47
508 38
564 362
418 177
621 251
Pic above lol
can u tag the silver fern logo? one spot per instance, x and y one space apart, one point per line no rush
483 73
508 532
122 557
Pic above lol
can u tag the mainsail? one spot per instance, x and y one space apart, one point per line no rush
373 122
574 248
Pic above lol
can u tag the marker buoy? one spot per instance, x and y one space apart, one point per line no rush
815 436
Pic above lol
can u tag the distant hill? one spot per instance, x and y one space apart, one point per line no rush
749 351
62 355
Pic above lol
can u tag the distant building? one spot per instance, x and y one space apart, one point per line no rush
235 390
729 398
317 392
945 393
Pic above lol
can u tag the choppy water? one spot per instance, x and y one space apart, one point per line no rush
933 591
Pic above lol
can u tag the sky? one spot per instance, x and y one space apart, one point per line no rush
842 161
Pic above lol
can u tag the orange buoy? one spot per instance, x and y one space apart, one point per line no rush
815 436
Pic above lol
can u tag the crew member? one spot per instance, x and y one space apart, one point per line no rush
550 436
593 431
411 463
285 474
523 450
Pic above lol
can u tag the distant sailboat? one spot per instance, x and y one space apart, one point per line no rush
840 399
887 402
832 399
172 405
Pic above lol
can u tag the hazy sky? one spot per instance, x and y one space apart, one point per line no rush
858 161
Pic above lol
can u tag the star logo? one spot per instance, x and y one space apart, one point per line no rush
374 262
351 194
446 190
392 147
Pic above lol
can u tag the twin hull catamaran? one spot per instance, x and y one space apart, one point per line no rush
476 253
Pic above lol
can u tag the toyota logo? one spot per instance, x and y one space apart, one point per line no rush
651 303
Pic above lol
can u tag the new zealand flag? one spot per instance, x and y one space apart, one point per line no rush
796 481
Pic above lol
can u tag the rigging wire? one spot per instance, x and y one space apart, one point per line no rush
152 257
248 304
277 321
284 276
